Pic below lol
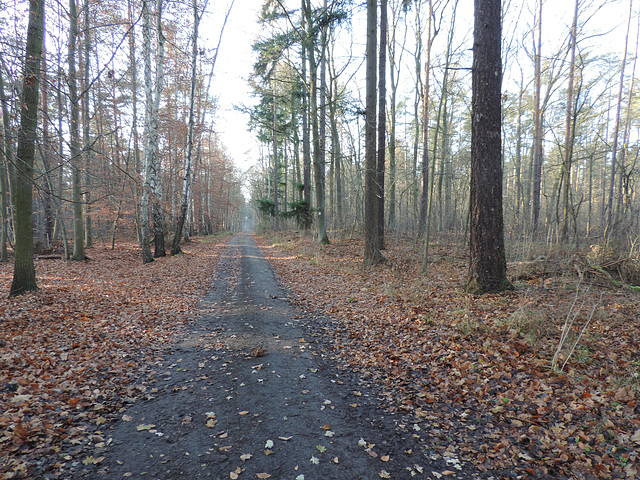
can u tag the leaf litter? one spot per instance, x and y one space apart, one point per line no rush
472 375
80 343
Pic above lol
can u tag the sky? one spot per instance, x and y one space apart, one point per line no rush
233 68
235 61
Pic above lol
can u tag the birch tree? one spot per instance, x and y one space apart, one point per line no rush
186 183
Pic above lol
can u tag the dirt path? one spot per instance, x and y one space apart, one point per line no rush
248 394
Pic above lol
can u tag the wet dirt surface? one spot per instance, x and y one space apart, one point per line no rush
249 393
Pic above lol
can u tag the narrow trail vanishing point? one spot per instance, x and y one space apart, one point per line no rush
248 394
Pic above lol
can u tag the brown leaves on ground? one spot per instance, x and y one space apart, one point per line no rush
476 371
71 353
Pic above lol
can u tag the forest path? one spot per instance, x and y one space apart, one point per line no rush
246 394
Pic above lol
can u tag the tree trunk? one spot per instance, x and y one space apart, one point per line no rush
157 209
611 220
318 154
7 159
24 273
487 265
319 147
186 184
382 124
569 133
306 146
372 255
86 138
276 206
537 130
145 221
74 133
424 201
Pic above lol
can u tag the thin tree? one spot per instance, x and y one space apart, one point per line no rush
537 129
24 273
569 132
86 137
150 167
6 150
186 184
611 220
74 144
382 124
487 265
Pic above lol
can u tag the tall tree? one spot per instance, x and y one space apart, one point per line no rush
569 132
151 173
382 124
487 265
86 137
74 133
372 254
24 273
610 219
186 183
537 129
6 150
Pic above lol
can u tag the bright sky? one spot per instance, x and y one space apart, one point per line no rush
233 68
235 60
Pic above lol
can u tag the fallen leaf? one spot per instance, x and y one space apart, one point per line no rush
268 444
385 458
384 474
314 460
144 426
321 448
244 412
263 475
286 439
212 423
245 456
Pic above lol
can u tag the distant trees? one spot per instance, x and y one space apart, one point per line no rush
568 171
109 166
83 158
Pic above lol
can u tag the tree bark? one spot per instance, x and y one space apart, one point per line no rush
372 254
611 218
569 133
186 184
74 133
487 265
7 160
537 130
382 124
24 274
306 144
145 221
424 200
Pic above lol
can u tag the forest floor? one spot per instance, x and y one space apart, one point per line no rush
404 375
475 372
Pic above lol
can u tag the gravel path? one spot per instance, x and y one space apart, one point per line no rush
249 394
